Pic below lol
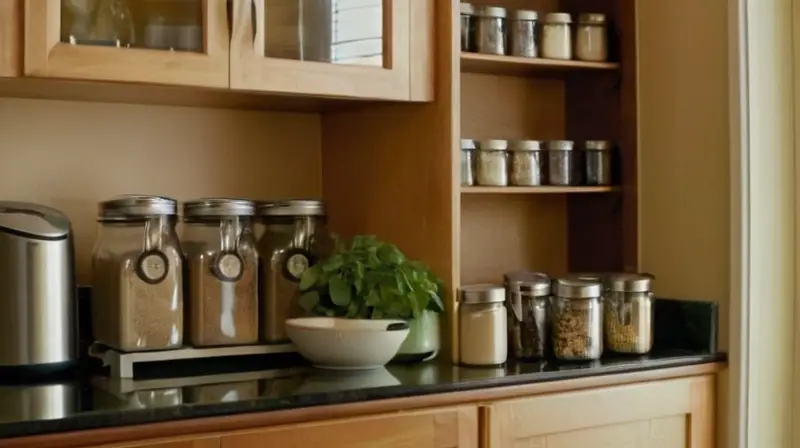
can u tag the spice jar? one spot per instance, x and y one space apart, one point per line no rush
561 162
137 275
527 163
523 34
577 313
491 30
557 36
492 163
467 162
597 156
222 293
482 322
591 38
629 314
527 294
468 20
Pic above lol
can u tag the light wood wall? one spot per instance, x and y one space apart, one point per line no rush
70 155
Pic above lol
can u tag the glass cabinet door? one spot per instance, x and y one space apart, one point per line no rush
175 42
354 48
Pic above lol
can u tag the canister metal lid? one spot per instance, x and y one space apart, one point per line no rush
597 145
212 207
558 17
467 8
467 143
525 14
592 19
536 283
524 145
130 206
492 11
561 145
573 288
294 207
630 282
33 220
482 293
493 145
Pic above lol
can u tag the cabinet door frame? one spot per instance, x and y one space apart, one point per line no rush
46 56
250 70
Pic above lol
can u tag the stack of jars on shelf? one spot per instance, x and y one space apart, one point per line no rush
152 291
489 30
572 318
527 163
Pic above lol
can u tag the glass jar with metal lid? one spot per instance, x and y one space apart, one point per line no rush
492 30
483 325
561 166
222 293
467 162
598 156
528 165
577 314
523 34
527 299
557 36
591 38
629 313
137 275
468 25
294 237
492 163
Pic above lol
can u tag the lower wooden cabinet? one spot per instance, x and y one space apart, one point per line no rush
665 414
181 442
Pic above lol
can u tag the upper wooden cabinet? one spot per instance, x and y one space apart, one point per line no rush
370 49
10 38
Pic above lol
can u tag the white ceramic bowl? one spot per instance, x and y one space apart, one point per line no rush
346 344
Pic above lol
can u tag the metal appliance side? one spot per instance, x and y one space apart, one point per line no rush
40 402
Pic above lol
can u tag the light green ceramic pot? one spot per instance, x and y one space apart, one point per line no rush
423 341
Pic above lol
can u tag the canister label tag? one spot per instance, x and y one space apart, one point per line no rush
152 266
295 263
228 266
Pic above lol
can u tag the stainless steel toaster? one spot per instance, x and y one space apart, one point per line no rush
38 312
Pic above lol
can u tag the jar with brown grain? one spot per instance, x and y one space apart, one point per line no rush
222 293
629 313
577 314
137 275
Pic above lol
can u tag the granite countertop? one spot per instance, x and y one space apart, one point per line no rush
99 402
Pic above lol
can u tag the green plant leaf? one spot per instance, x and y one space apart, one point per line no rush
352 309
377 314
340 291
309 277
333 264
309 300
372 258
390 254
435 303
373 298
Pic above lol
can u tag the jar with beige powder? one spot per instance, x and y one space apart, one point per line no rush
222 291
137 275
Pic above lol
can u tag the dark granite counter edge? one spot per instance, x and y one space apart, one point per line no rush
192 411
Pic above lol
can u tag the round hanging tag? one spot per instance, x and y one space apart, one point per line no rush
228 266
152 266
295 263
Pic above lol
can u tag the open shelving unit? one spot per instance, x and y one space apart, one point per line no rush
518 66
536 190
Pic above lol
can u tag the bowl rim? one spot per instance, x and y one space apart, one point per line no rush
295 323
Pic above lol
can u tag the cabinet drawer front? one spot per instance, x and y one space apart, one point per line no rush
449 428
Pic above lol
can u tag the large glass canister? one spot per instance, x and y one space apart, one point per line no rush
137 275
629 313
526 301
577 313
222 291
293 238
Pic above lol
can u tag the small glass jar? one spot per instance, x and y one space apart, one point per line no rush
598 155
222 291
528 165
483 325
467 162
492 163
137 275
491 30
468 30
557 36
524 35
526 300
629 314
577 313
591 38
561 164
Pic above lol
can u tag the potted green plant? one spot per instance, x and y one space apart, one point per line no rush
372 279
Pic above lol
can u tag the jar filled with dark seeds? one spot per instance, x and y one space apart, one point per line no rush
561 164
528 165
468 22
467 162
528 323
524 34
598 155
491 30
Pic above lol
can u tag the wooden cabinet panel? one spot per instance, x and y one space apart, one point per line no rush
669 414
184 442
443 428
10 38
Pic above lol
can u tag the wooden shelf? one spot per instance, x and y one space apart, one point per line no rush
515 66
537 190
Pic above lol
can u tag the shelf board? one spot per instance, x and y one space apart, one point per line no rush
515 66
537 190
